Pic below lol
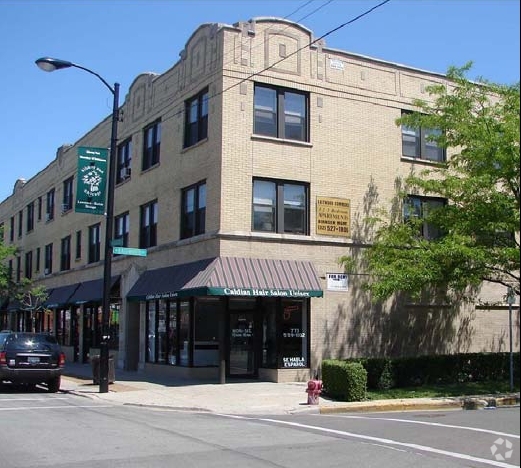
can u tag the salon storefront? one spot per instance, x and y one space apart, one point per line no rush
251 316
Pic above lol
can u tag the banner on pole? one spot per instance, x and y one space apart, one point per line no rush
92 180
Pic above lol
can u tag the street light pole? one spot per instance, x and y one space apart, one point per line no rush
511 299
51 64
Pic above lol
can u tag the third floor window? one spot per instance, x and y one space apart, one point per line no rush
418 143
151 145
196 121
281 113
67 194
49 209
124 160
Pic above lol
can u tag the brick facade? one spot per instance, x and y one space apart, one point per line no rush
354 152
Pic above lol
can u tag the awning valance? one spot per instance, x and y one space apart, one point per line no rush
230 276
60 296
91 291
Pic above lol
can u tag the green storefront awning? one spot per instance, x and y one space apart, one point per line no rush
230 276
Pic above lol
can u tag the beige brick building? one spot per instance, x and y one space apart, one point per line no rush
245 171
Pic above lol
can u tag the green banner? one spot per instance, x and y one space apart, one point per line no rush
92 180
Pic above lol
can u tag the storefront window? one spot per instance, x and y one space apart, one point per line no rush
173 338
161 333
114 326
151 328
184 333
294 330
206 330
269 333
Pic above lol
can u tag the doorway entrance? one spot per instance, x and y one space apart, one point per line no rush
242 345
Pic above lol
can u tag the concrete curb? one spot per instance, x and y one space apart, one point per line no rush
460 403
393 405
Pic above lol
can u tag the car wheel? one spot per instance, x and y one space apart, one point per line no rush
54 385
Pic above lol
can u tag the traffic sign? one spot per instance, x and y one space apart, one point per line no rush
129 251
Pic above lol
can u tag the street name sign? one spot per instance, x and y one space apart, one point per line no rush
129 251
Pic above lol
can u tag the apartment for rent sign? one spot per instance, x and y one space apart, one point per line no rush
333 216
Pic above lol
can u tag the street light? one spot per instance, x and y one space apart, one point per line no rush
511 299
49 64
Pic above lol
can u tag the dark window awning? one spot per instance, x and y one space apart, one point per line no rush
230 276
61 296
14 305
91 291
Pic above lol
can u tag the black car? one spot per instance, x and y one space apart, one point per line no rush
30 359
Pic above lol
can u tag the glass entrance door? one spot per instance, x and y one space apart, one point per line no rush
242 350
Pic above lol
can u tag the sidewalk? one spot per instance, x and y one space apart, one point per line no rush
244 397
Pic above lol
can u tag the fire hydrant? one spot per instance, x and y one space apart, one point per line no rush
314 390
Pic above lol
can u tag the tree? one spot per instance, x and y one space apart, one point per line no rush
31 299
479 122
6 283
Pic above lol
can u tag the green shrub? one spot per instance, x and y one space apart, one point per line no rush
438 369
342 380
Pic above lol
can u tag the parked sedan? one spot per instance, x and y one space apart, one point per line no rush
30 359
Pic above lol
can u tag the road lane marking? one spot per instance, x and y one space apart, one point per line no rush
18 408
379 441
427 423
34 399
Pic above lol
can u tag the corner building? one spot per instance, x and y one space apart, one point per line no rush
245 172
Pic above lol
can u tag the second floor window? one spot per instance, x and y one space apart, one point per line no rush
416 209
20 223
65 257
37 268
78 244
48 259
280 206
67 194
417 143
29 265
94 243
121 228
148 225
30 217
11 229
281 113
40 204
196 121
124 160
49 209
151 145
193 210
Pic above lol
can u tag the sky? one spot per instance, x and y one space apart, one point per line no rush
119 39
